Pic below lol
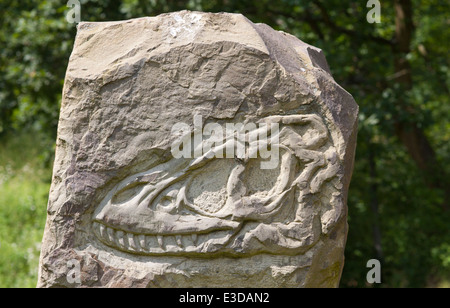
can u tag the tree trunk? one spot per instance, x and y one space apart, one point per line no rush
374 204
409 133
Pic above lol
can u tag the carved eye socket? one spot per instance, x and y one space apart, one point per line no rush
260 182
207 190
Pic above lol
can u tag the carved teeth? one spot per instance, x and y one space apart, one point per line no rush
142 241
120 239
151 243
160 241
110 232
178 239
131 241
102 229
159 244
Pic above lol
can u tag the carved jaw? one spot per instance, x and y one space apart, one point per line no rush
157 244
145 214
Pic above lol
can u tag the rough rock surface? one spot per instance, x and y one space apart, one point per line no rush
124 212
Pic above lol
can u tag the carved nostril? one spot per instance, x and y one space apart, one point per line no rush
166 201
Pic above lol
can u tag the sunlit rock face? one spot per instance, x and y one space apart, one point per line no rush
198 150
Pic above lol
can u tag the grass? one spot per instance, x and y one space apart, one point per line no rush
24 187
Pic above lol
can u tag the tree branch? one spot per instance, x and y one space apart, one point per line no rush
326 19
410 134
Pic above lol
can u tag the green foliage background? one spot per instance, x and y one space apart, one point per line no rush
398 211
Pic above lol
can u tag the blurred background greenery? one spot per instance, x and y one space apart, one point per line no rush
397 71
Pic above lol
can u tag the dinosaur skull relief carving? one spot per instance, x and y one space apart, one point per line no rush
229 206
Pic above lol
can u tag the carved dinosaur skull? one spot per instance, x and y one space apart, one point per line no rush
221 205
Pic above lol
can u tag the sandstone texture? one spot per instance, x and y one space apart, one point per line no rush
123 211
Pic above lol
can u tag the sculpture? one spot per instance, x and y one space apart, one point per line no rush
133 207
